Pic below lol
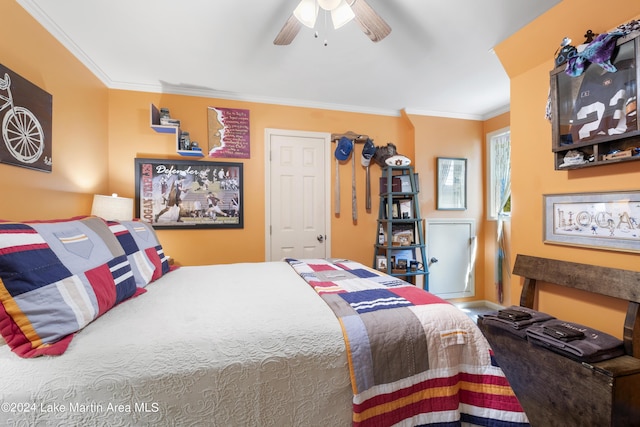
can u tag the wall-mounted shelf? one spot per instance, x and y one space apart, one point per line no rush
155 125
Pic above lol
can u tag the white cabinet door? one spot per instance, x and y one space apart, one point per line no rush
451 247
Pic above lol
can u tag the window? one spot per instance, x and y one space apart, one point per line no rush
498 173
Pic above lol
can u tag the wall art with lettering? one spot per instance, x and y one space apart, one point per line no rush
229 133
189 194
608 220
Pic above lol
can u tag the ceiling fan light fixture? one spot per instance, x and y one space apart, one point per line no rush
341 14
329 4
306 12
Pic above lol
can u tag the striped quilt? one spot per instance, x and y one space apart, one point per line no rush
414 359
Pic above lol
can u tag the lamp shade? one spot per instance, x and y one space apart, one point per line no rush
341 14
112 207
306 12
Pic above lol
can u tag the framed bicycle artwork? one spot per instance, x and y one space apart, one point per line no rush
25 116
184 194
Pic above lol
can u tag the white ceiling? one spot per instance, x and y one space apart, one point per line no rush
437 60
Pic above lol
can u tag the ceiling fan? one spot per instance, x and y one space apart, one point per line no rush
342 11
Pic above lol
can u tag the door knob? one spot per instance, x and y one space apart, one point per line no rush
433 260
320 238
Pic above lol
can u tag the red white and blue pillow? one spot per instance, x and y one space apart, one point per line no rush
143 250
55 278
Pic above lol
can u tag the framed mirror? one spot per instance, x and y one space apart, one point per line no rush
452 183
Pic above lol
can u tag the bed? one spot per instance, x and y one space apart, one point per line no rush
269 344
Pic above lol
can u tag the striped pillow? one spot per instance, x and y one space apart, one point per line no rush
143 249
55 278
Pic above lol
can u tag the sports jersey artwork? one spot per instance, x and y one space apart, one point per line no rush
25 121
603 220
189 194
599 104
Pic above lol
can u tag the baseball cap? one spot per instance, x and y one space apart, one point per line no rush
367 152
343 150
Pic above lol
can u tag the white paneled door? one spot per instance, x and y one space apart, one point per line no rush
297 194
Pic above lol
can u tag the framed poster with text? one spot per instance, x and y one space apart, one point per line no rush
189 194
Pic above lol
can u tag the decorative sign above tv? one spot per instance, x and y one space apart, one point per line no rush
594 114
25 114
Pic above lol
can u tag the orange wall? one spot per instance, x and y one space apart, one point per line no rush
528 58
130 135
79 124
446 137
98 132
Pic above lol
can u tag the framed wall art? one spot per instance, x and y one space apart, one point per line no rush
189 194
229 133
452 183
26 121
608 220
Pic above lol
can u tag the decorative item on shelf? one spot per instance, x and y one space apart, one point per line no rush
406 211
619 154
402 234
172 126
565 52
399 184
404 239
383 153
398 160
112 207
573 158
166 120
185 141
589 36
597 52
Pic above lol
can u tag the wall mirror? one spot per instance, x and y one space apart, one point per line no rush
452 183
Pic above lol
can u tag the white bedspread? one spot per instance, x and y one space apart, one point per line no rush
227 345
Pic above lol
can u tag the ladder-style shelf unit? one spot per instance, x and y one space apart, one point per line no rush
400 248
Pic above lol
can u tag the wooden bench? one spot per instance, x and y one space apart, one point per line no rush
555 390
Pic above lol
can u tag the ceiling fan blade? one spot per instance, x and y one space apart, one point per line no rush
369 21
288 32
